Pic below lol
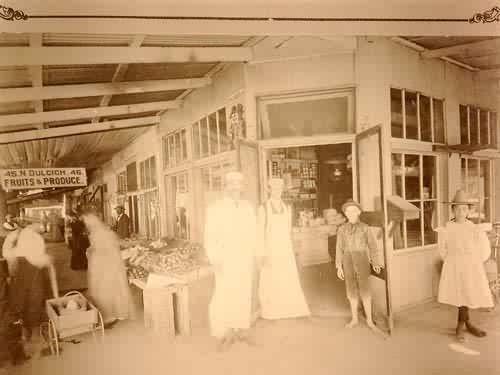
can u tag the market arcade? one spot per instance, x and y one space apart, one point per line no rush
368 119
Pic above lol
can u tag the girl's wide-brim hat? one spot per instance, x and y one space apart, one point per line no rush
461 198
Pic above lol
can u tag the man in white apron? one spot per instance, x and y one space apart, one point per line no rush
230 244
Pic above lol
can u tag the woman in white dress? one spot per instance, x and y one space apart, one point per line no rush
280 292
107 278
464 248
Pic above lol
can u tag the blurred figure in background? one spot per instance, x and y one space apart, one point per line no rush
108 285
122 225
79 242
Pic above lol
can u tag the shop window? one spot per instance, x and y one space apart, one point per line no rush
121 183
211 135
417 116
307 114
148 173
414 179
150 214
177 205
476 181
174 149
132 177
477 126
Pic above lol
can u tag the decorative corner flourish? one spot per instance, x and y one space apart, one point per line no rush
488 16
11 14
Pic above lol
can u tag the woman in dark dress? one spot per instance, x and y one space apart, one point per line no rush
79 244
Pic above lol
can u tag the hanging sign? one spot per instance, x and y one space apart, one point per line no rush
42 178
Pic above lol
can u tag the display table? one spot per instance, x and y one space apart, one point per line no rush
166 309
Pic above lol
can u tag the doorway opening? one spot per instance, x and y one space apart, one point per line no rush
318 180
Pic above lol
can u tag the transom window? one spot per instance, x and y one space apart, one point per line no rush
477 126
414 178
174 147
211 135
417 116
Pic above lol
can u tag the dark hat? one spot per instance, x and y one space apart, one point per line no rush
461 197
120 207
349 203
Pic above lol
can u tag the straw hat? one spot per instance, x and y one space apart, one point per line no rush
461 197
350 203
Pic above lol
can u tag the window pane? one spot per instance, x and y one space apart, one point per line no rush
429 177
164 145
464 127
474 131
309 117
196 141
184 144
412 174
171 150
396 113
225 139
143 175
397 175
398 235
473 178
425 118
438 108
147 167
483 127
463 168
485 184
212 123
153 171
414 231
493 128
178 147
204 137
430 222
411 115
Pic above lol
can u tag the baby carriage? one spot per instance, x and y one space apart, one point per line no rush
70 315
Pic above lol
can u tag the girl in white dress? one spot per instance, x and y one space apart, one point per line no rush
280 292
464 247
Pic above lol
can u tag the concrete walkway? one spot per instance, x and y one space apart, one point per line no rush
422 344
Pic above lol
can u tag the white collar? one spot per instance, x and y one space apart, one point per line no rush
9 226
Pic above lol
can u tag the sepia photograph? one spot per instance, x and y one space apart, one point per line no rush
249 187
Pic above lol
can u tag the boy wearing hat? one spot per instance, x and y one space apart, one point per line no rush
356 252
464 247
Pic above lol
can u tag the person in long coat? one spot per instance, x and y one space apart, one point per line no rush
280 292
464 247
108 285
122 225
230 245
33 275
79 243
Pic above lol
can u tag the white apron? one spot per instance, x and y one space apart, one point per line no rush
464 249
280 292
230 242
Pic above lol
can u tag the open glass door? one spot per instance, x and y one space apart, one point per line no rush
248 156
370 185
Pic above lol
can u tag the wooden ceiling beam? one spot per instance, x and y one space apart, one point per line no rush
98 89
120 55
84 113
64 131
36 74
120 72
491 44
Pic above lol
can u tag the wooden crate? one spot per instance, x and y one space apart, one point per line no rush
166 310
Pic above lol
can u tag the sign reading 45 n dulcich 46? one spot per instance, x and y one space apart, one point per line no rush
41 178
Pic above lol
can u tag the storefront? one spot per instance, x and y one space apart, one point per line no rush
374 123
